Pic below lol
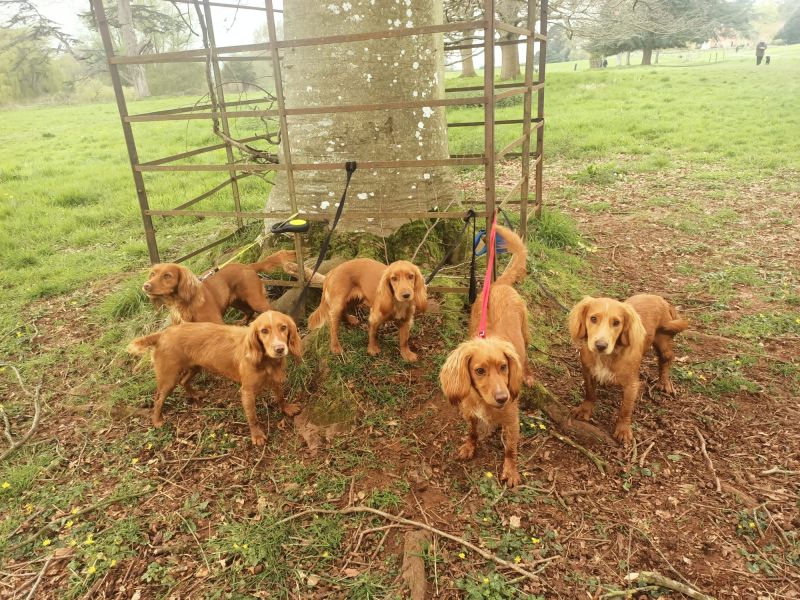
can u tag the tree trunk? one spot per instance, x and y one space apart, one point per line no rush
510 63
628 58
595 62
375 71
647 55
132 47
657 53
467 62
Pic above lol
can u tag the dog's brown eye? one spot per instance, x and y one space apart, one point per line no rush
283 327
503 368
167 276
411 277
265 330
593 319
615 322
480 371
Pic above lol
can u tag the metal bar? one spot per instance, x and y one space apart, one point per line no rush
508 28
206 247
526 125
302 42
307 216
138 180
220 92
258 168
189 109
227 5
488 110
540 107
480 123
521 140
516 92
286 145
475 88
319 110
210 192
196 151
481 45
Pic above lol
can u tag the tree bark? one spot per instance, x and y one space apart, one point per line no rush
132 47
467 62
628 58
510 64
647 55
375 71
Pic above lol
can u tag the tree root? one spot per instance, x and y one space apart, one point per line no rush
717 485
653 578
480 551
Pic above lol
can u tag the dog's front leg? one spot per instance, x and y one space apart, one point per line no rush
249 393
630 392
290 410
375 321
404 334
510 437
467 449
584 411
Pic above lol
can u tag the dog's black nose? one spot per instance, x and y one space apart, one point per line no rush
501 397
601 345
280 350
146 287
406 295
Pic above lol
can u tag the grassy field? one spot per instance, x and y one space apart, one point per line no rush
679 179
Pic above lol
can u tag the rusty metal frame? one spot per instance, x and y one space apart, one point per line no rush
221 110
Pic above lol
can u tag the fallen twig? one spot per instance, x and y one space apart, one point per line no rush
39 577
365 509
717 484
778 471
37 411
59 522
651 577
598 462
644 454
628 593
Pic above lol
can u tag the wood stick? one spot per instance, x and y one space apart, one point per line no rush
644 454
37 411
480 551
598 462
717 484
651 577
39 577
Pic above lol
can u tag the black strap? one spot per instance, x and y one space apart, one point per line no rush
350 167
473 280
444 261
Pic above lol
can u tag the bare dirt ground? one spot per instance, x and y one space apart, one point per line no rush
201 509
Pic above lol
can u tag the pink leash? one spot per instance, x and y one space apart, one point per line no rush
487 281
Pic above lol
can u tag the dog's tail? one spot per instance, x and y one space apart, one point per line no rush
141 345
278 259
318 317
675 325
516 269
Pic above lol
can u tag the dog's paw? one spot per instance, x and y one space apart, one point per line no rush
511 476
409 355
583 412
291 410
373 350
466 451
157 421
336 349
667 387
623 433
258 437
351 319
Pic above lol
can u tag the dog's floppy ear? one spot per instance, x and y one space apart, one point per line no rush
294 341
189 286
514 372
420 291
384 297
633 331
253 348
577 319
454 376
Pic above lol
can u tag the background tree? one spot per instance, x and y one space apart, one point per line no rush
616 26
790 32
463 10
27 66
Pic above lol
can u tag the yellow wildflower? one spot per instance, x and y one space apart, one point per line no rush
69 524
489 475
114 563
517 559
485 580
752 525
134 460
29 508
149 445
46 542
91 570
325 554
542 426
485 519
245 546
73 542
5 485
74 511
236 546
89 540
461 555
535 540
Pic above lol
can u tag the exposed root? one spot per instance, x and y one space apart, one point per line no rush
653 578
37 412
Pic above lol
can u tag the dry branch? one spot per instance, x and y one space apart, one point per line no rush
37 411
717 485
480 551
598 462
413 572
651 577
